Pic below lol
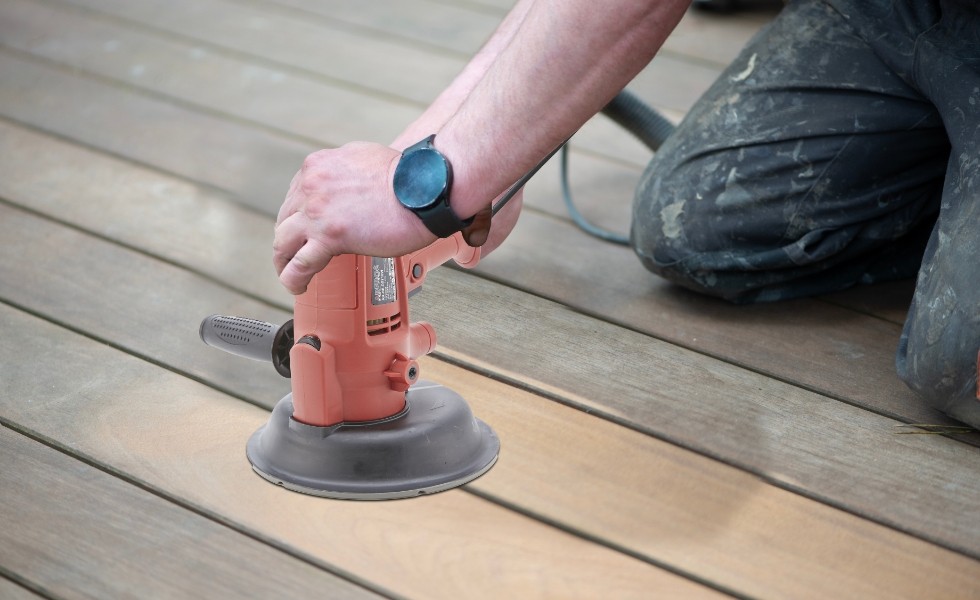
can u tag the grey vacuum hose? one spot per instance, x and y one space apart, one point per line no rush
645 123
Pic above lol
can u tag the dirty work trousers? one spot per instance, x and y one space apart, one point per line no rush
841 147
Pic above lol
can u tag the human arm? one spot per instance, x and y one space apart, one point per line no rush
549 68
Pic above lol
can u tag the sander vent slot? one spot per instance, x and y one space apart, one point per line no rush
388 324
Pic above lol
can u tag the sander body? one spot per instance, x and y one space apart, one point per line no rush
360 423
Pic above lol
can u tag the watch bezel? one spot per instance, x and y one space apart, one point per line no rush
422 178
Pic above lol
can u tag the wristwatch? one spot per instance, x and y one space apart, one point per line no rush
423 179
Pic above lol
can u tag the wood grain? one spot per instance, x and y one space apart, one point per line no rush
628 377
76 532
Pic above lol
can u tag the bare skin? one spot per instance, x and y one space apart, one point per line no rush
547 69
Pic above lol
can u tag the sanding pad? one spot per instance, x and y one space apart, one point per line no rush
435 444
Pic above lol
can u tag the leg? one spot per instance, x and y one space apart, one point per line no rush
937 355
797 171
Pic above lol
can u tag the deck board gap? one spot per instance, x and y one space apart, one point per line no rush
29 586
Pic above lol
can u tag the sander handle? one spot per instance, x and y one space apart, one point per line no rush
250 338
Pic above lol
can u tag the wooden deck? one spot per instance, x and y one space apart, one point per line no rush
654 443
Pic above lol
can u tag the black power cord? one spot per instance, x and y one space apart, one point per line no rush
649 126
627 110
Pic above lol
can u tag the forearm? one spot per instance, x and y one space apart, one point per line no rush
563 63
449 101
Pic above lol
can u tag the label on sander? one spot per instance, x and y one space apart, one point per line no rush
383 290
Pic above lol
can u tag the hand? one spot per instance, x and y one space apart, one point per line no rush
341 202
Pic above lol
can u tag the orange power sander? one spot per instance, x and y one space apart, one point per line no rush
359 423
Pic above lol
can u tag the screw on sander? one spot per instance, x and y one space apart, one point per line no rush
250 338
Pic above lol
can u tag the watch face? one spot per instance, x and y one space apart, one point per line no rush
421 178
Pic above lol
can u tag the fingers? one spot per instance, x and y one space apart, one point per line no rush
297 258
479 230
290 237
307 262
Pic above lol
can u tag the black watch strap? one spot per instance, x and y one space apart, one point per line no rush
442 220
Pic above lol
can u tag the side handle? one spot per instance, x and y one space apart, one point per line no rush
250 338
418 264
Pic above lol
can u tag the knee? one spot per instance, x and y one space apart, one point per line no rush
675 238
660 240
938 359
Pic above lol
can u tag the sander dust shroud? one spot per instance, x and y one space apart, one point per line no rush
359 423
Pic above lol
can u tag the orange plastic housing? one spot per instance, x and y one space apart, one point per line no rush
356 349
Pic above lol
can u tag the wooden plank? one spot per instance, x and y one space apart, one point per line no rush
317 111
624 375
114 540
185 441
200 229
462 30
673 80
847 355
427 23
722 522
292 41
292 102
382 60
255 166
123 298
